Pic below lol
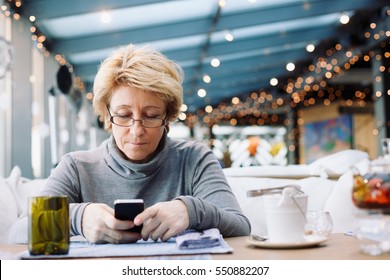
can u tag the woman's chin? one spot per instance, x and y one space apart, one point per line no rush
137 158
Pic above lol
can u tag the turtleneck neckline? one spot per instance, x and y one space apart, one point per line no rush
126 168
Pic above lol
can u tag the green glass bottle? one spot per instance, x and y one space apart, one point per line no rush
48 225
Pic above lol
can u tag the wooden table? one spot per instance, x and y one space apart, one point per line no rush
338 247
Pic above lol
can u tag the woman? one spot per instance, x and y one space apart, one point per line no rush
137 93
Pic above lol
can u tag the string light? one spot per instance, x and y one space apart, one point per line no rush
310 48
182 116
206 79
105 16
215 62
296 91
37 37
229 36
344 18
201 92
273 81
290 66
332 67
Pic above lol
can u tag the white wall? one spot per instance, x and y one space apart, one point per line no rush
5 107
24 120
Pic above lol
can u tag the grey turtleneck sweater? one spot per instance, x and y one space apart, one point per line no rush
183 170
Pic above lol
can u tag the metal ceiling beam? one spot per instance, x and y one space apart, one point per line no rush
52 9
261 58
297 10
274 40
140 35
261 73
204 52
260 42
199 26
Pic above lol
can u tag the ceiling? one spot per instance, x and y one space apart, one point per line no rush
266 36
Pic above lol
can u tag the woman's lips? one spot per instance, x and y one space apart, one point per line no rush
137 143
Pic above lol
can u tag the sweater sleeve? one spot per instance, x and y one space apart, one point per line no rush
212 202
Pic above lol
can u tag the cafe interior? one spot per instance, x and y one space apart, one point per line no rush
305 78
298 88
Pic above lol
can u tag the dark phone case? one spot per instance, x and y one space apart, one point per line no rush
128 211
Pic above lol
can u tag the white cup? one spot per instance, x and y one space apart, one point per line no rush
285 217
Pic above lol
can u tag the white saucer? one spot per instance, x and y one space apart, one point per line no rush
309 241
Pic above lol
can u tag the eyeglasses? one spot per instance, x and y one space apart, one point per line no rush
127 121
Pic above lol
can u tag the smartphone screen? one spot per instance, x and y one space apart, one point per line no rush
128 209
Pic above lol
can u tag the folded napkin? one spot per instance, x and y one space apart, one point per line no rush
192 239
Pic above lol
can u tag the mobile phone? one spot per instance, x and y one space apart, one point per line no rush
128 209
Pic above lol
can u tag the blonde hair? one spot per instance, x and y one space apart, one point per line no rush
143 68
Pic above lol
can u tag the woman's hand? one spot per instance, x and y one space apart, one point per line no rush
163 220
100 226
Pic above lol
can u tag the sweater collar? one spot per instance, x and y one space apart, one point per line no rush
118 162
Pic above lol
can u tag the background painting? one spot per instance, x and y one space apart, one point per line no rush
327 137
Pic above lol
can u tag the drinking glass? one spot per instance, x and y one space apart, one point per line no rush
318 223
373 232
48 225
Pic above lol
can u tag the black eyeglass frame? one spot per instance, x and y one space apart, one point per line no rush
164 120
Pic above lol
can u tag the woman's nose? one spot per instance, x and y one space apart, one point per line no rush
137 128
